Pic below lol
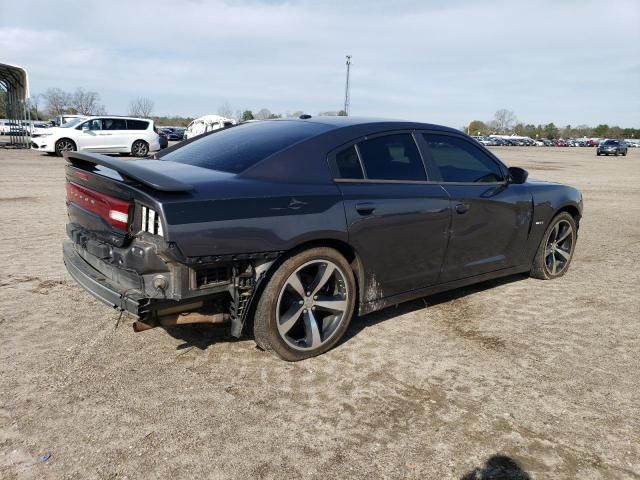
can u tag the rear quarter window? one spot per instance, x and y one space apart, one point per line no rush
235 149
137 125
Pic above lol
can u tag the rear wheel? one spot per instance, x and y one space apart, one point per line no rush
140 148
65 145
307 305
556 249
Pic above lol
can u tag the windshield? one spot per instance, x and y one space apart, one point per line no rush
237 148
72 123
611 142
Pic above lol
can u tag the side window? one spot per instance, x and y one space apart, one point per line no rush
114 124
137 125
95 124
392 157
347 164
461 161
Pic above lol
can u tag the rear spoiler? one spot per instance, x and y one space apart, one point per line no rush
141 171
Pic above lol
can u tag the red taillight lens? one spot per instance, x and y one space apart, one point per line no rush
113 210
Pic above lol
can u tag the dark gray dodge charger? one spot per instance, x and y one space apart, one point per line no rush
286 228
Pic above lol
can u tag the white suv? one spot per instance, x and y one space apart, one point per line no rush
103 134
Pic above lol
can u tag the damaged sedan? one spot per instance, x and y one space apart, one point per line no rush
286 229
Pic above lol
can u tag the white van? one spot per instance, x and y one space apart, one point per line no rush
206 124
101 134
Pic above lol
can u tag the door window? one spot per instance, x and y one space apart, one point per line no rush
460 161
392 157
95 124
114 124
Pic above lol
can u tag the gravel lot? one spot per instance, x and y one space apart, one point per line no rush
530 378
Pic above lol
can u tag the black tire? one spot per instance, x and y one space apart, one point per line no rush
140 148
598 154
546 256
265 325
624 154
65 145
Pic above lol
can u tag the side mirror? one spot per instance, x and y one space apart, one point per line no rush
517 175
85 128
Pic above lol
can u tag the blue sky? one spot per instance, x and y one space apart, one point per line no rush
447 62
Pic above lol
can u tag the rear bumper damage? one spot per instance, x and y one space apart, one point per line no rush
126 291
98 285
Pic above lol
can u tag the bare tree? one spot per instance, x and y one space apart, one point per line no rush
225 111
33 103
141 107
503 120
263 114
57 101
86 103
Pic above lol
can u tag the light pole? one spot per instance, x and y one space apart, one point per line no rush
347 98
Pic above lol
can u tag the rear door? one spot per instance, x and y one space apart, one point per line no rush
115 131
490 217
397 221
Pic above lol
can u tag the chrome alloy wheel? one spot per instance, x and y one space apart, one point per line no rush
558 247
139 148
65 145
312 304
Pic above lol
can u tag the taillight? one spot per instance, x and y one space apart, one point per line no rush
113 210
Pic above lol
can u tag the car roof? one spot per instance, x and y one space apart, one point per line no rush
117 116
342 121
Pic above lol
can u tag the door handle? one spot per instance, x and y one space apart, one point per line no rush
365 208
462 208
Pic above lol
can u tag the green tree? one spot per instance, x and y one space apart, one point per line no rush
551 131
601 130
3 104
246 116
342 113
478 127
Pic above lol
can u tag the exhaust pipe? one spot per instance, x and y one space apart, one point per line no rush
173 316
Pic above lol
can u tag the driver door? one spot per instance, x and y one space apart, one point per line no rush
90 136
490 216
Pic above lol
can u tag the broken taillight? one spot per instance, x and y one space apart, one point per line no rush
113 210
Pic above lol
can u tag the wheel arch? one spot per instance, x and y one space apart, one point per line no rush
342 247
572 210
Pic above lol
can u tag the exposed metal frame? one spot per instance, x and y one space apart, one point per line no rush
15 83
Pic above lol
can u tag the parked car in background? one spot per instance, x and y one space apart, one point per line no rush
177 133
612 147
163 139
287 228
206 124
10 127
62 119
102 134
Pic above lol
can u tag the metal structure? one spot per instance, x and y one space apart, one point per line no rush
15 128
347 98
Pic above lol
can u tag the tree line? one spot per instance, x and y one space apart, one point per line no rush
55 101
505 122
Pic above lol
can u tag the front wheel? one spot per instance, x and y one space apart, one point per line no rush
65 145
140 148
307 305
556 249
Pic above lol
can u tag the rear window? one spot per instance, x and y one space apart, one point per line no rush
235 149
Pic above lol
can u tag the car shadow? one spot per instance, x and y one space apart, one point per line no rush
202 336
498 467
359 323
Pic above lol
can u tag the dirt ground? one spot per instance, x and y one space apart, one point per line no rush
530 378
